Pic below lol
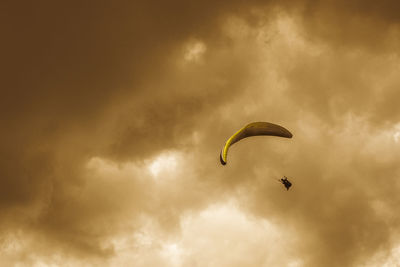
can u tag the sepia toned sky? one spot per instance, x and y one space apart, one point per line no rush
113 115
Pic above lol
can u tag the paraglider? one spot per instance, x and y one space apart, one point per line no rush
256 129
286 182
253 129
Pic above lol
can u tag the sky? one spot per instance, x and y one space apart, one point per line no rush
114 113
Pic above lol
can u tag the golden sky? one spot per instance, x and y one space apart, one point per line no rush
113 115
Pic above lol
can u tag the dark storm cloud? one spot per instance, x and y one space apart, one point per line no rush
82 81
64 67
355 24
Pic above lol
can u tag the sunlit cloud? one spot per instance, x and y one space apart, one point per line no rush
194 51
396 133
166 162
203 238
396 136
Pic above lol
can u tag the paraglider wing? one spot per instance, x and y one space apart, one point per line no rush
254 129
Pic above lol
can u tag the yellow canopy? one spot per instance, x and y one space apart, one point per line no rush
254 129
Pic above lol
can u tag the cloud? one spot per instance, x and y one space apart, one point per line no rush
113 116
